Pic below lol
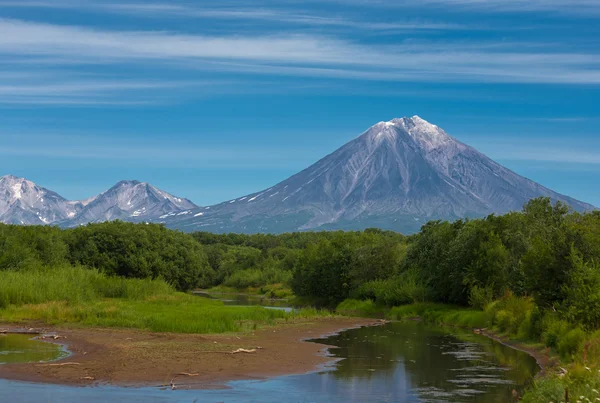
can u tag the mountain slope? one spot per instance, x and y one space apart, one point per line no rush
24 202
397 175
129 201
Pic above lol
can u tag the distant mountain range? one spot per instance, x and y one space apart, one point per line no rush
24 202
397 175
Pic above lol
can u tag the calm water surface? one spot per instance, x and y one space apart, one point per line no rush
397 362
248 300
18 348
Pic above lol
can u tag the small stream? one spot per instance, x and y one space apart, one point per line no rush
248 300
397 362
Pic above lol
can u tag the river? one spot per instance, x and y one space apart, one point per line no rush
397 362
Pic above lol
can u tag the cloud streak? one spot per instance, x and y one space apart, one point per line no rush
573 7
264 6
247 12
300 55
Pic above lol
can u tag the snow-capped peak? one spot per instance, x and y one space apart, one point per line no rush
24 202
15 188
428 136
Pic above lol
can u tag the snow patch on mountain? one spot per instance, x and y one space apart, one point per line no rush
396 175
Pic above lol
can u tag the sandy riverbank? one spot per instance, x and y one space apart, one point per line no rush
130 357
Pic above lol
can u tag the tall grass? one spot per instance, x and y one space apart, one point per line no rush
405 288
355 307
72 284
74 295
441 314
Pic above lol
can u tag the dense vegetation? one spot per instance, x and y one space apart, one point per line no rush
116 248
75 295
533 275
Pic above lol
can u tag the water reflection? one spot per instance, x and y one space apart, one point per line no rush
433 363
397 362
247 300
20 348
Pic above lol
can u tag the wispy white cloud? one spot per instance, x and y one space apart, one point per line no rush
71 88
573 7
569 6
301 55
248 12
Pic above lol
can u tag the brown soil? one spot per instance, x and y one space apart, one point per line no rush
136 358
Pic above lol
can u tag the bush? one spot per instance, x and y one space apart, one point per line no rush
531 328
505 320
554 329
571 342
353 307
481 297
441 314
511 313
400 290
256 278
276 291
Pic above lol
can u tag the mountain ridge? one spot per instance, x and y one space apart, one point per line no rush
24 202
397 175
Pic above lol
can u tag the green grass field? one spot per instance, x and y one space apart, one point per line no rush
83 297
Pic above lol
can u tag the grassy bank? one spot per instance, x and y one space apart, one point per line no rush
430 312
77 296
275 291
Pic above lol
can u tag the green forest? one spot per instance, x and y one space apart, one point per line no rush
532 275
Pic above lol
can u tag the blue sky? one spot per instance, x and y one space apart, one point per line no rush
213 100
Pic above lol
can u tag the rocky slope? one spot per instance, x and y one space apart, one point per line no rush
397 175
24 202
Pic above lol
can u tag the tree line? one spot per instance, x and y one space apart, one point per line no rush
545 252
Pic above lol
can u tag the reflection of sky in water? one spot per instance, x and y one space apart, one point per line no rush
317 388
247 300
399 362
17 348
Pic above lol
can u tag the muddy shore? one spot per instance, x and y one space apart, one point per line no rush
128 357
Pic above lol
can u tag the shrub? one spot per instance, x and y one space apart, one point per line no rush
276 291
481 297
571 342
399 290
353 307
554 329
511 313
256 278
505 320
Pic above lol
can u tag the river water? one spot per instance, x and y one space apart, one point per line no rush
247 300
396 362
19 348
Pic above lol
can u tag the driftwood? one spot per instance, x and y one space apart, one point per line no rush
243 350
239 350
52 336
62 364
187 374
87 378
